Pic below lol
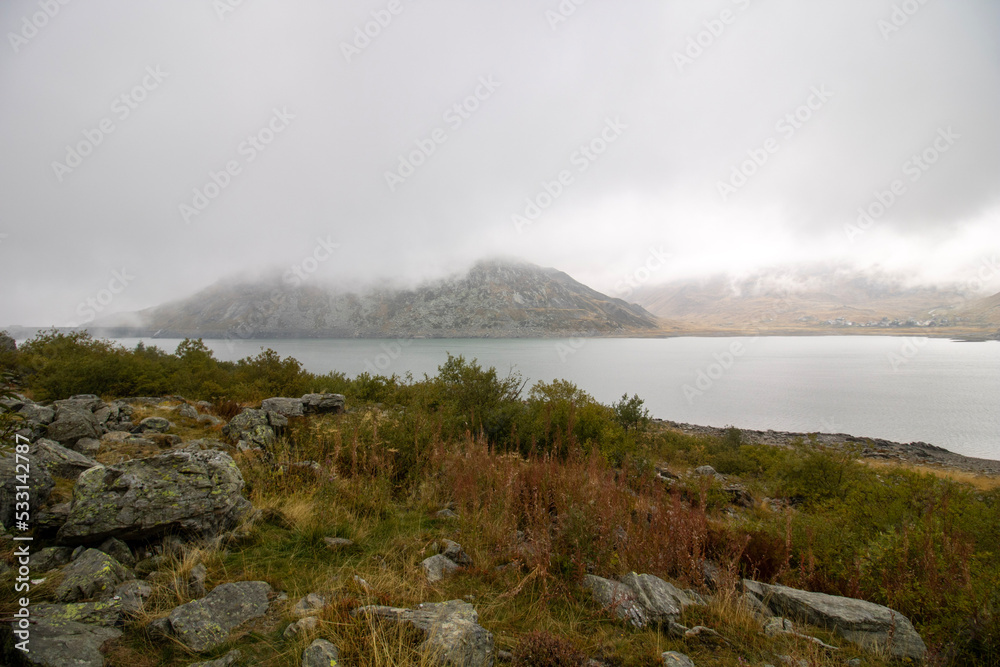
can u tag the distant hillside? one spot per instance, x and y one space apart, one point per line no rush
496 299
797 300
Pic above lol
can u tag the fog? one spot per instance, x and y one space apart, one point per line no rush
151 149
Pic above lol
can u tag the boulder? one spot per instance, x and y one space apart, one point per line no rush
37 413
661 602
320 653
197 493
49 558
55 643
60 461
453 551
617 597
88 447
107 613
675 659
318 404
94 574
438 567
866 624
705 471
186 410
71 425
287 407
155 425
204 624
40 485
118 550
250 426
453 634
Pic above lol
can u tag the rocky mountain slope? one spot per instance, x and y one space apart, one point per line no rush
494 299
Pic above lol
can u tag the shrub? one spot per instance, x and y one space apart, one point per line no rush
540 649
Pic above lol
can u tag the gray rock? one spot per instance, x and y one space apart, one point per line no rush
438 567
301 627
88 447
107 613
675 659
227 660
93 575
211 420
119 551
132 596
58 460
187 411
155 425
617 597
40 485
318 404
51 518
313 603
68 643
252 427
337 543
453 634
866 624
661 602
453 551
204 624
178 492
37 413
288 407
738 495
49 558
320 653
776 626
80 403
71 425
445 514
276 421
705 471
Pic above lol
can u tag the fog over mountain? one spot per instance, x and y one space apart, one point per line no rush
148 150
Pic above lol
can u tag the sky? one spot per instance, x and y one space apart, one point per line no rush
150 149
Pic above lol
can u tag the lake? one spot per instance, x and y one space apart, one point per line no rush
943 392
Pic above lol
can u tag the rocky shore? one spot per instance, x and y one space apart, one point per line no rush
913 453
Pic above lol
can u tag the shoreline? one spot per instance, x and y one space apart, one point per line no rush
914 453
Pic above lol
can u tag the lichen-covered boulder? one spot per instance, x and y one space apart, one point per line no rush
252 427
318 404
94 574
866 624
320 653
197 493
55 642
288 407
454 636
60 461
71 425
204 624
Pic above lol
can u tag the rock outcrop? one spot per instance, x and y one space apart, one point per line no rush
640 599
198 493
866 624
453 634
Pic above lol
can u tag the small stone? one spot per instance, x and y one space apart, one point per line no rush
336 543
196 581
155 424
133 595
438 567
187 411
320 653
675 659
313 603
453 551
705 471
446 514
301 627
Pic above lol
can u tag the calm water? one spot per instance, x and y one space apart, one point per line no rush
938 391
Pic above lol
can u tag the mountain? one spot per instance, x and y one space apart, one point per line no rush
800 300
495 299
